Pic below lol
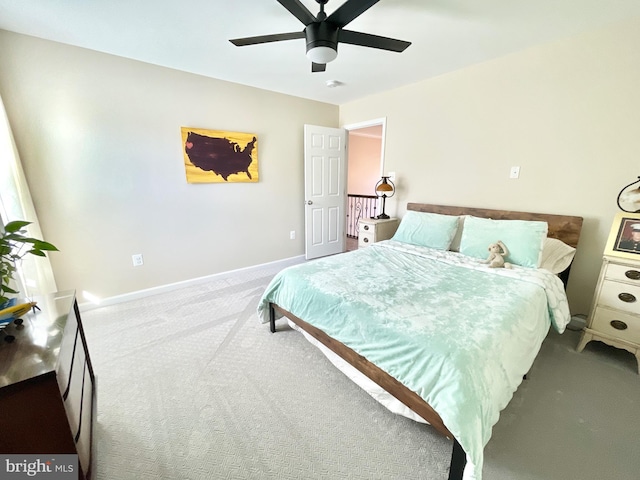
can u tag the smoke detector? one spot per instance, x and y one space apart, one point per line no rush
333 83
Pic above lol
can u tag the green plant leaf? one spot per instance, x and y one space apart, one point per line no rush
15 225
14 244
29 240
42 245
14 237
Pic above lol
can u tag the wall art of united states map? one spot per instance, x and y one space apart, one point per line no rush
217 156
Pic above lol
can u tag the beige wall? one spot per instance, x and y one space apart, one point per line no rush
99 138
567 113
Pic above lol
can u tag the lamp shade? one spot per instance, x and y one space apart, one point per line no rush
629 198
384 187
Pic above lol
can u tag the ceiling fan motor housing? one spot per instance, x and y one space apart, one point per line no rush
321 34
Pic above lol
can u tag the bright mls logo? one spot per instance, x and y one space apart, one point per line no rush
51 467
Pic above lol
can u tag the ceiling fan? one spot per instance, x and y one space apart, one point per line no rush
323 33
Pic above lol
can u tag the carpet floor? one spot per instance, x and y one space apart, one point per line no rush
191 386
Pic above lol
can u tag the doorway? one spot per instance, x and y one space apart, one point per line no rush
365 162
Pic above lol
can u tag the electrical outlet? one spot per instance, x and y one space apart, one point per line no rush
515 172
137 260
292 235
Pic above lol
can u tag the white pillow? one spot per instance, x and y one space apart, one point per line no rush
556 255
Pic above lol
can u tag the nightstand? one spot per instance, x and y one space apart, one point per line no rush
615 312
371 230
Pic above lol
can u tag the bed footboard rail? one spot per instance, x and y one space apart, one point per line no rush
386 381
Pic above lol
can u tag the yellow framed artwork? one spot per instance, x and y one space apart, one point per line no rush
624 238
218 156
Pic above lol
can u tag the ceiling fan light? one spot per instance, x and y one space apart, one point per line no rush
322 55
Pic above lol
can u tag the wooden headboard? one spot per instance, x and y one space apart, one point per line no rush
563 227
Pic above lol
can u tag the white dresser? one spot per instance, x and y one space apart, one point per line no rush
615 312
371 230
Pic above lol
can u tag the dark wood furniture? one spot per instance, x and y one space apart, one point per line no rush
565 228
47 384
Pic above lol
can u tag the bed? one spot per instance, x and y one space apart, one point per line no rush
424 320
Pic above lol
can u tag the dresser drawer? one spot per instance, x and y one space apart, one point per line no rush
366 238
615 316
616 324
623 273
365 228
621 296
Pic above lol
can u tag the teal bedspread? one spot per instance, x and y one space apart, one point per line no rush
459 334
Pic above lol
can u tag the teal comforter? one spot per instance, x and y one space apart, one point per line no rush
459 334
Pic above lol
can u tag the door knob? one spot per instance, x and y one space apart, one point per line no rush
309 202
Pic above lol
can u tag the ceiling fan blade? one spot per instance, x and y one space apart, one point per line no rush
278 37
373 41
318 67
298 10
349 10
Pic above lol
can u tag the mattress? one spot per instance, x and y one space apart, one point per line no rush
459 334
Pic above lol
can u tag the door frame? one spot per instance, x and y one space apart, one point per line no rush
382 121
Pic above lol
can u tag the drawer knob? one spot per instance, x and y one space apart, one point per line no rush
366 227
627 297
365 240
618 324
632 274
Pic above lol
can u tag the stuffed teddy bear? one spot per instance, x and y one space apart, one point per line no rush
497 252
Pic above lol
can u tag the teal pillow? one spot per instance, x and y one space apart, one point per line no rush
523 238
427 229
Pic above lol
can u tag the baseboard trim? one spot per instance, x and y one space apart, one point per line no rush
127 297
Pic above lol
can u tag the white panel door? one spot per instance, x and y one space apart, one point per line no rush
325 189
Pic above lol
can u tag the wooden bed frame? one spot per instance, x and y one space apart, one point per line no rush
565 228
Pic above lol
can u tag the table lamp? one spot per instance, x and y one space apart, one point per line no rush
385 189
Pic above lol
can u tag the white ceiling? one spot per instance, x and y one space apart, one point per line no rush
192 35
